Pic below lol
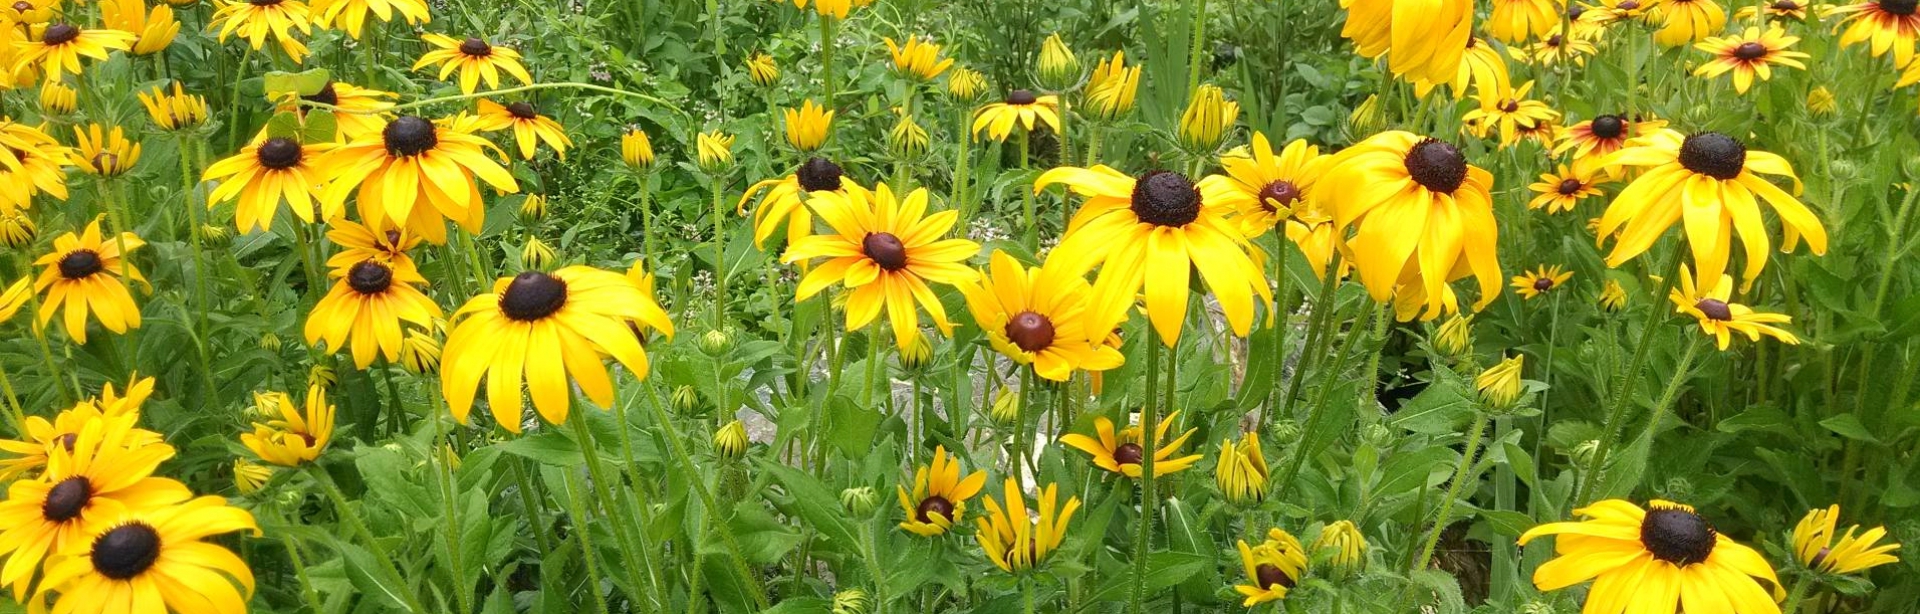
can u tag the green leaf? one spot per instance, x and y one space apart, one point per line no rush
285 124
1439 410
800 605
1186 532
1849 426
303 83
1507 522
852 427
814 504
1164 569
1521 462
548 448
365 573
319 127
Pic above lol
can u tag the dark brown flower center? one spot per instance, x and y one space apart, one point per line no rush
393 237
22 6
1022 97
1819 558
126 551
326 95
409 136
522 110
80 263
1786 5
67 440
1676 535
818 174
1270 576
1509 105
369 277
66 499
279 153
265 2
1282 192
533 295
1750 51
933 505
885 250
1437 165
1031 331
473 46
1715 309
1574 12
1128 454
1553 41
1899 7
59 34
1714 155
1627 5
1165 198
1543 284
1569 187
1608 126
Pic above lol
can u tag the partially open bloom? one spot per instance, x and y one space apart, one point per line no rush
1540 281
153 31
1124 451
1665 558
907 139
1208 117
474 58
1707 300
806 127
256 21
1022 108
1559 191
292 435
1038 316
939 497
83 275
1613 296
636 150
1017 542
1499 385
249 477
1112 87
529 126
1274 566
1820 101
175 111
58 98
884 250
731 440
1241 470
1345 546
1813 544
1455 335
965 84
715 149
351 15
762 70
1264 187
107 153
918 60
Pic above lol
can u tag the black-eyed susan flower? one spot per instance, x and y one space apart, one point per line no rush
965 84
1017 541
1274 567
27 456
1481 68
1422 40
365 307
885 250
762 69
107 153
1264 187
1562 189
1751 54
1310 227
1591 141
785 199
636 150
174 111
107 471
474 58
56 48
1688 21
837 9
1556 49
1150 233
57 98
293 434
152 31
1814 545
1207 119
541 328
1122 452
1499 385
358 111
1423 212
530 128
1707 300
1665 558
715 150
1112 87
1712 182
1455 335
939 497
409 163
1508 112
17 231
806 128
1781 10
1241 470
351 15
1540 281
266 173
1059 67
356 242
1513 21
1022 108
917 59
26 12
1344 547
1885 25
39 166
731 440
155 561
83 276
256 20
249 477
1613 296
1038 316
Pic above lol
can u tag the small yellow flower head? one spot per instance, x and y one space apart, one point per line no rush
1455 336
175 111
1814 545
917 60
1006 406
536 255
907 139
715 343
1207 119
1113 86
1820 102
965 83
533 209
1273 567
859 501
716 151
636 150
420 353
851 601
684 399
1613 297
322 376
249 476
807 127
57 98
916 354
154 30
17 231
1499 385
270 342
762 70
731 440
1540 281
103 152
1059 69
1343 546
1241 472
1367 117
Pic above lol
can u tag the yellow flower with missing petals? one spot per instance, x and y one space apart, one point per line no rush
530 128
154 30
1113 86
1719 318
731 440
965 83
293 435
475 58
1123 452
58 98
1813 544
1499 385
1016 541
762 70
1751 54
1274 566
636 149
939 497
917 60
716 150
1023 109
175 111
1540 281
1207 119
1059 69
1241 471
104 153
807 128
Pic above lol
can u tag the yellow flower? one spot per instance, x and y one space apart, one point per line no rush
292 436
1367 117
762 70
939 497
351 15
1556 49
636 150
884 250
266 173
1241 470
917 60
1421 40
1884 25
1514 21
807 128
731 440
27 12
1112 87
1560 190
1662 559
58 98
965 83
1123 452
1208 117
249 477
1021 107
1481 68
1059 69
414 175
917 355
255 21
907 139
533 208
1782 10
322 376
1540 281
365 307
529 127
33 163
1345 545
536 255
1017 542
107 154
356 242
420 352
1455 335
1264 187
1719 318
154 561
83 274
1038 316
1820 101
1511 112
1499 385
1813 544
1686 21
786 198
716 150
153 31
1749 55
176 111
1274 567
1613 297
1006 406
475 59
1592 141
17 230
57 48
837 9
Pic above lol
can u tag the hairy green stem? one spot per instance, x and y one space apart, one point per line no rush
344 509
677 445
1461 474
1143 538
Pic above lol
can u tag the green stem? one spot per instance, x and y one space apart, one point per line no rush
300 571
826 59
444 474
67 395
678 446
344 509
1623 395
602 491
13 405
719 259
962 171
1026 196
1667 396
532 505
202 334
1193 51
1460 476
640 495
1318 321
1318 411
1793 598
233 103
1143 544
646 220
582 528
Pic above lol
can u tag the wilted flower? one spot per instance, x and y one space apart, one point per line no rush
536 255
716 150
762 70
1058 66
731 440
1207 119
907 139
1499 385
636 150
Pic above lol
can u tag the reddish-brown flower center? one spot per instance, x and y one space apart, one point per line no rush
1128 453
80 263
885 250
279 153
1031 331
933 505
1165 198
66 499
59 34
1715 309
1750 51
1283 192
1676 535
1569 187
1437 165
370 277
533 295
1022 97
522 110
1713 154
475 47
1270 576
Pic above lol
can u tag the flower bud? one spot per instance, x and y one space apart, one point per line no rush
859 501
917 354
1499 385
18 231
1820 102
533 209
270 342
536 255
1059 69
1006 406
731 440
215 236
684 399
851 601
322 376
1344 547
1207 119
907 139
715 343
